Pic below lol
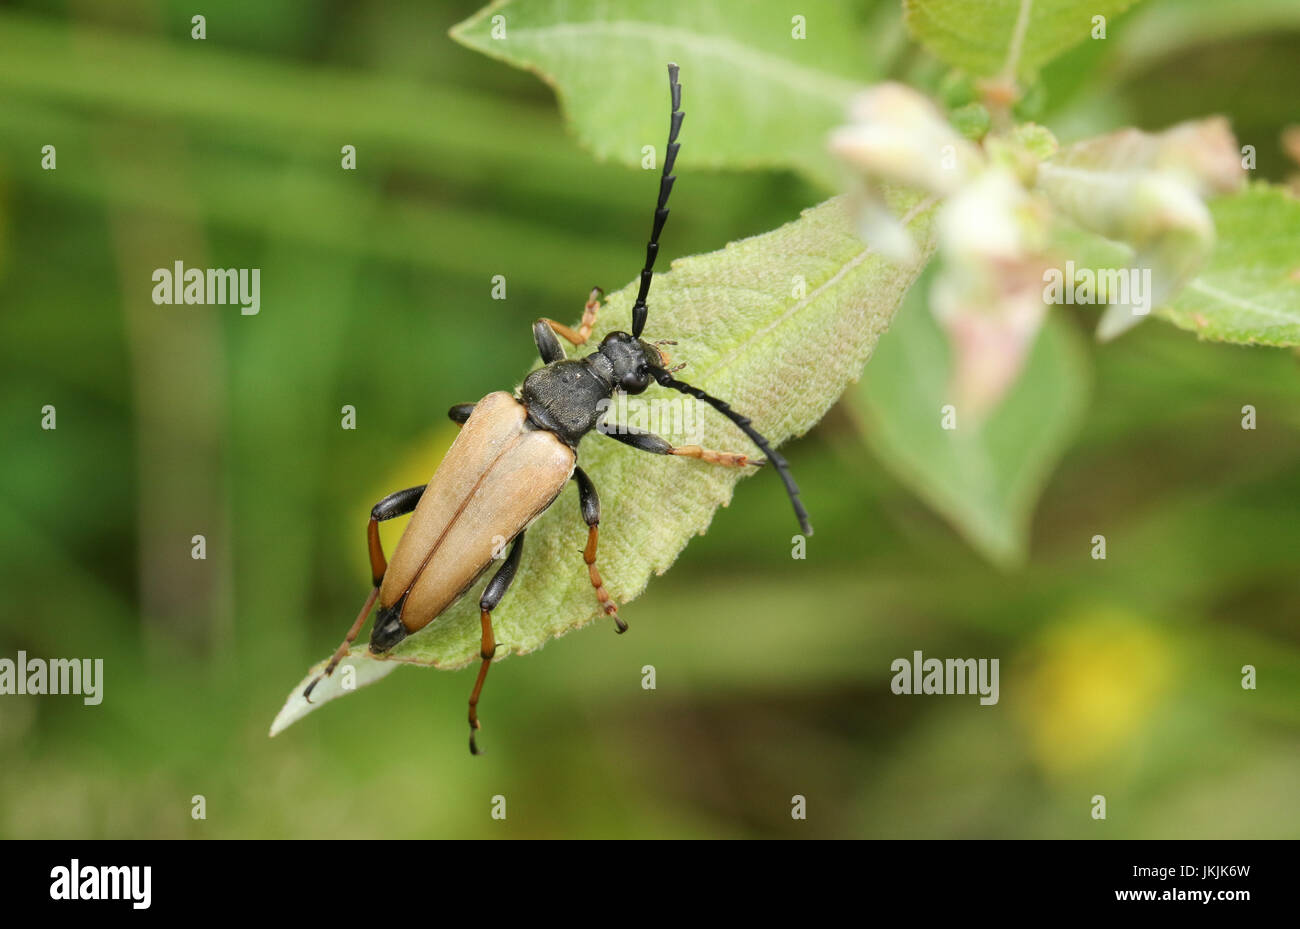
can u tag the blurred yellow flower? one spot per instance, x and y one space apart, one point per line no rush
415 466
1092 685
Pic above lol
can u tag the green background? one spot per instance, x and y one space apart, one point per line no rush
1119 677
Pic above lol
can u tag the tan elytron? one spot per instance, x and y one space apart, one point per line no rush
497 477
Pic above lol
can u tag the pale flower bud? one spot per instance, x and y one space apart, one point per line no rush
989 296
897 136
1148 191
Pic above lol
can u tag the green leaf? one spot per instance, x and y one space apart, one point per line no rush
1013 38
353 671
971 120
1249 292
778 325
754 95
983 479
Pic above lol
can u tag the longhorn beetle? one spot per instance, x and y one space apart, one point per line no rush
512 458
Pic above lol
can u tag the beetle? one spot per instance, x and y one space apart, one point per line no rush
513 456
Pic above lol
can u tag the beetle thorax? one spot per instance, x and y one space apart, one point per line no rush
565 397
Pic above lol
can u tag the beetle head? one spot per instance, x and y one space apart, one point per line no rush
632 360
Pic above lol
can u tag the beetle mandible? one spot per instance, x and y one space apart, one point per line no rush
511 459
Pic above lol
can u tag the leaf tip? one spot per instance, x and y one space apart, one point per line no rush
353 672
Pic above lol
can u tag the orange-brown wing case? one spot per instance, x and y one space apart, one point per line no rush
497 477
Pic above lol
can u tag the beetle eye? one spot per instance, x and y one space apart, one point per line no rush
635 382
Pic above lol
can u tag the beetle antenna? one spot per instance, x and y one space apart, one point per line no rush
639 309
782 466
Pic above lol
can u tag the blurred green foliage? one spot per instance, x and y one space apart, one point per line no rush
1119 677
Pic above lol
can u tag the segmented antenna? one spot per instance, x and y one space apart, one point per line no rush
773 456
639 309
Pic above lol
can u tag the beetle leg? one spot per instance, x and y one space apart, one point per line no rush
492 594
583 332
548 346
395 504
730 459
590 504
343 649
392 506
460 413
589 312
649 442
